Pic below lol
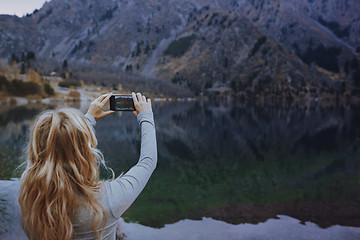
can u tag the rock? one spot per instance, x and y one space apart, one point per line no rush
10 216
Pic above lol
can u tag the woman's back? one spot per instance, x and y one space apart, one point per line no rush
117 195
61 196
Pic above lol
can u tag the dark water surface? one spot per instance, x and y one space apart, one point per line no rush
232 162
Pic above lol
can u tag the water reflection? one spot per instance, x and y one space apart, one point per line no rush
234 162
14 124
245 164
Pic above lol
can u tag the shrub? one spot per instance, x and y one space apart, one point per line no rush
69 83
108 14
354 63
323 57
4 83
74 94
48 89
356 77
33 88
178 78
30 55
21 88
77 47
355 92
194 87
13 101
335 28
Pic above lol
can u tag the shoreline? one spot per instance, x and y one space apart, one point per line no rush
280 228
87 92
87 96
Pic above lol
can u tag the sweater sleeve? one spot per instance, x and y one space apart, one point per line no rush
90 119
123 191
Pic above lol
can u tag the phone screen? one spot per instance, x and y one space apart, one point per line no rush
122 103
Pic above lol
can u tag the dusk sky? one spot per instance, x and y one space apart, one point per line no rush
20 7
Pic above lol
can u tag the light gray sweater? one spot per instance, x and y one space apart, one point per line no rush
116 196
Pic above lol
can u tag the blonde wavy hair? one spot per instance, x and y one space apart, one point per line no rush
62 173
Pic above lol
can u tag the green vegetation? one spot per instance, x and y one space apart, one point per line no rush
108 14
323 57
355 92
48 89
69 83
193 86
129 68
356 77
226 62
354 63
65 65
177 48
178 78
213 19
25 59
77 47
335 28
138 49
30 56
147 48
20 88
216 18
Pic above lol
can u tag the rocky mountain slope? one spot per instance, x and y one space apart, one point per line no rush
254 47
324 32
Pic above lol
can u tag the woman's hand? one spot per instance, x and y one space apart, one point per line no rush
96 107
140 103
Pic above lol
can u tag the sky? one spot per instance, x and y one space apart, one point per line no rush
20 7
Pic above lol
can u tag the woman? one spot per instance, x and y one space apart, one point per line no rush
61 196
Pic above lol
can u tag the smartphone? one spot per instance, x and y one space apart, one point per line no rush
122 103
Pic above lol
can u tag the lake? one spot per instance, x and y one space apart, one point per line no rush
232 162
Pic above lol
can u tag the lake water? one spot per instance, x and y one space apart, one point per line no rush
238 163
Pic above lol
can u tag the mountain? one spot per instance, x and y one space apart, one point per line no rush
291 49
324 32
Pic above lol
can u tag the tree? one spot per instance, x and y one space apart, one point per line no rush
257 45
48 89
177 48
147 48
30 56
138 49
22 71
354 63
226 62
356 77
65 65
23 59
33 76
14 58
129 68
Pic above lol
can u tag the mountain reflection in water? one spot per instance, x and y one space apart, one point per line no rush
231 162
